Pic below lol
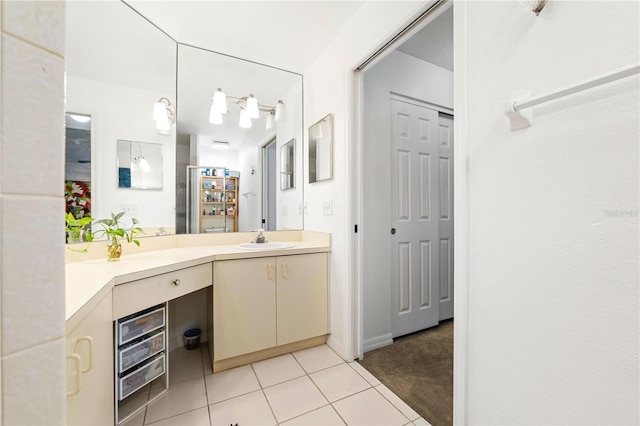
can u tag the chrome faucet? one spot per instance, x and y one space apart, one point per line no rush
260 239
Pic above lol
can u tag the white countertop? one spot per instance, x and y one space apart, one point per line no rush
85 280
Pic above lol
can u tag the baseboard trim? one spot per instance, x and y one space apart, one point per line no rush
377 342
225 364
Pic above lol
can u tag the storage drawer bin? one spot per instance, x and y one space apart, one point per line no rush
136 379
130 328
137 352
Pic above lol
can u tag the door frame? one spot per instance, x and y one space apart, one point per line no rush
461 194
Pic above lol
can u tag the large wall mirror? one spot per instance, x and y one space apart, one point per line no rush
229 142
119 64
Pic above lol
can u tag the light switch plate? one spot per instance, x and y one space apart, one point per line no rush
327 208
129 209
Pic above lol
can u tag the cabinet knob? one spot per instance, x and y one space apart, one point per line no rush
176 282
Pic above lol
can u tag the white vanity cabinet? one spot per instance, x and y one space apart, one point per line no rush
262 303
90 396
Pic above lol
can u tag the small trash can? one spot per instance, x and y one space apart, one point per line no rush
192 338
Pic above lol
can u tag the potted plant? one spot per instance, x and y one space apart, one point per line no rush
74 227
114 229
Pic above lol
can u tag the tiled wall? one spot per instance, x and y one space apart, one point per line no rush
31 213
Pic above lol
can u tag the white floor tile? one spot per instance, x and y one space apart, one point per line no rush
293 398
317 358
369 408
364 373
231 383
181 352
325 416
397 402
199 417
249 409
339 382
277 370
421 422
180 398
185 368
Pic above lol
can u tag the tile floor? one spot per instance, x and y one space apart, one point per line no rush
310 387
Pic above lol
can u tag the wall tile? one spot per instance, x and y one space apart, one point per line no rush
33 385
33 301
39 22
32 119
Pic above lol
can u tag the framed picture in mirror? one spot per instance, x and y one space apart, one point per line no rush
321 150
139 165
287 162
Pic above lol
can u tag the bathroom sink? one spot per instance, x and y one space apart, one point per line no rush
273 245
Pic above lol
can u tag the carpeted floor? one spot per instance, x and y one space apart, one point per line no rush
418 368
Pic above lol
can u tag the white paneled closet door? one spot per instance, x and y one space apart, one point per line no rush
445 216
415 217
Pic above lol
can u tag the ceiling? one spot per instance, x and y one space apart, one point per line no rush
283 34
433 43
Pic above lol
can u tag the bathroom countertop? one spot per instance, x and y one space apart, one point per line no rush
86 282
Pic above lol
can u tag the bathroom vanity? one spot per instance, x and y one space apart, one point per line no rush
261 303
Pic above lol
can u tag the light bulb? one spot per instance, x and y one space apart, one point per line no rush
162 123
144 165
252 107
281 112
159 109
245 121
271 123
219 101
215 117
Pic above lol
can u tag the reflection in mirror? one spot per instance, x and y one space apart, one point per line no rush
77 170
206 136
117 66
320 150
287 161
139 165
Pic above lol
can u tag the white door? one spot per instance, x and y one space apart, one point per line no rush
414 218
269 186
445 195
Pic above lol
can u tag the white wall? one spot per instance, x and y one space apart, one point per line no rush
405 75
120 112
328 86
33 344
553 253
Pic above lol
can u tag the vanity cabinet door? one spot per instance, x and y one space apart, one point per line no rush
244 306
90 398
301 297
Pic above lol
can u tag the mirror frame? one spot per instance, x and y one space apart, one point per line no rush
287 165
314 141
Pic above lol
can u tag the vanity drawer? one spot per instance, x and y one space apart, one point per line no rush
137 295
137 352
139 325
131 382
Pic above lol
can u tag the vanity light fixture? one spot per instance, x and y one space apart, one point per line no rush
249 109
164 114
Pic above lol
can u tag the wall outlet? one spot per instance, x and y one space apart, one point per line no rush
285 210
306 208
129 209
300 209
327 208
